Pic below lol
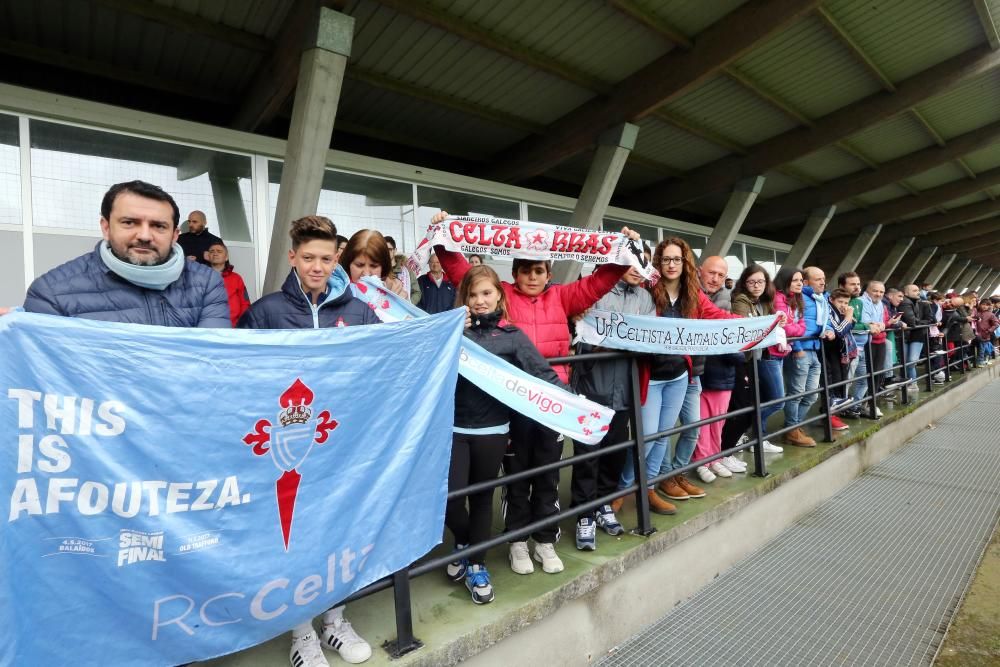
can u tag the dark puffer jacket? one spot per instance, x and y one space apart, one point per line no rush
290 309
85 287
474 408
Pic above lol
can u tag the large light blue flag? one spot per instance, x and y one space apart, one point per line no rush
175 494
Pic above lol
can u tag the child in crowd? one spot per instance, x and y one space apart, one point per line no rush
482 424
541 311
316 295
839 356
607 382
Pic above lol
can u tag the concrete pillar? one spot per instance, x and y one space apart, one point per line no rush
866 236
729 223
613 148
233 222
986 281
317 94
992 286
950 278
893 259
943 264
978 277
809 236
965 279
921 260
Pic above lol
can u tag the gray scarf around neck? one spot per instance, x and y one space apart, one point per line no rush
157 277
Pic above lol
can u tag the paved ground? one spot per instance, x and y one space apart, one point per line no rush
871 577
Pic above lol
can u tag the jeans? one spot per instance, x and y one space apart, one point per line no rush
660 412
686 441
985 351
913 349
801 374
860 386
772 386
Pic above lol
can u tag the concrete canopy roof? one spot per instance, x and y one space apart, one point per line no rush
888 109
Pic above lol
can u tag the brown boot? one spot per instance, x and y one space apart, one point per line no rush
671 489
658 505
798 438
689 488
616 504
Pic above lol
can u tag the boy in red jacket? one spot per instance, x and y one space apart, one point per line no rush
542 314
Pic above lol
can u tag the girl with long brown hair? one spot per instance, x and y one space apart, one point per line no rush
673 386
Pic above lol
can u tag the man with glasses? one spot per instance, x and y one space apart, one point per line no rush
197 239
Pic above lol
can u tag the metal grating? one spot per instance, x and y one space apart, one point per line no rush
871 577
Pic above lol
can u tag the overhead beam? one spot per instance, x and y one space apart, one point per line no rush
987 241
665 79
778 209
954 272
971 230
988 23
188 22
833 127
275 79
894 209
110 72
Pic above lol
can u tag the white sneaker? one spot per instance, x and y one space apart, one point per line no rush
744 439
705 475
342 638
878 413
545 553
719 469
939 377
520 560
770 448
306 652
734 464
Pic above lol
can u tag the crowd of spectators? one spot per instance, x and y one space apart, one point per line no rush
862 335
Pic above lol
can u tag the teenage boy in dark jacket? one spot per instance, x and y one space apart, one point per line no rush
315 295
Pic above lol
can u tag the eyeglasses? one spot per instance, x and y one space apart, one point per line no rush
672 260
756 283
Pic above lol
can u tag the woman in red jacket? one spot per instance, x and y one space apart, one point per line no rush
541 311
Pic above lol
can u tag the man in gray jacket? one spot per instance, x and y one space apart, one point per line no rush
137 273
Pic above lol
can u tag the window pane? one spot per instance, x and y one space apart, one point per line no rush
432 200
550 216
762 256
650 235
10 172
72 168
735 261
357 202
696 241
780 257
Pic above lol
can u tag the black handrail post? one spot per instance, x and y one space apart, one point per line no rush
870 362
962 367
947 359
760 467
927 351
404 641
824 380
902 359
639 457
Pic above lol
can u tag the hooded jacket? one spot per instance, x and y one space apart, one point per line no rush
85 287
816 316
290 308
476 409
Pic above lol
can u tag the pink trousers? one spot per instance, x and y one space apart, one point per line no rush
713 402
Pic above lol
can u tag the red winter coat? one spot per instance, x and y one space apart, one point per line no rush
236 290
544 318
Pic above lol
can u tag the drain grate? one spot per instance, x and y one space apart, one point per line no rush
871 577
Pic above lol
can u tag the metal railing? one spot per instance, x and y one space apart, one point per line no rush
957 359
